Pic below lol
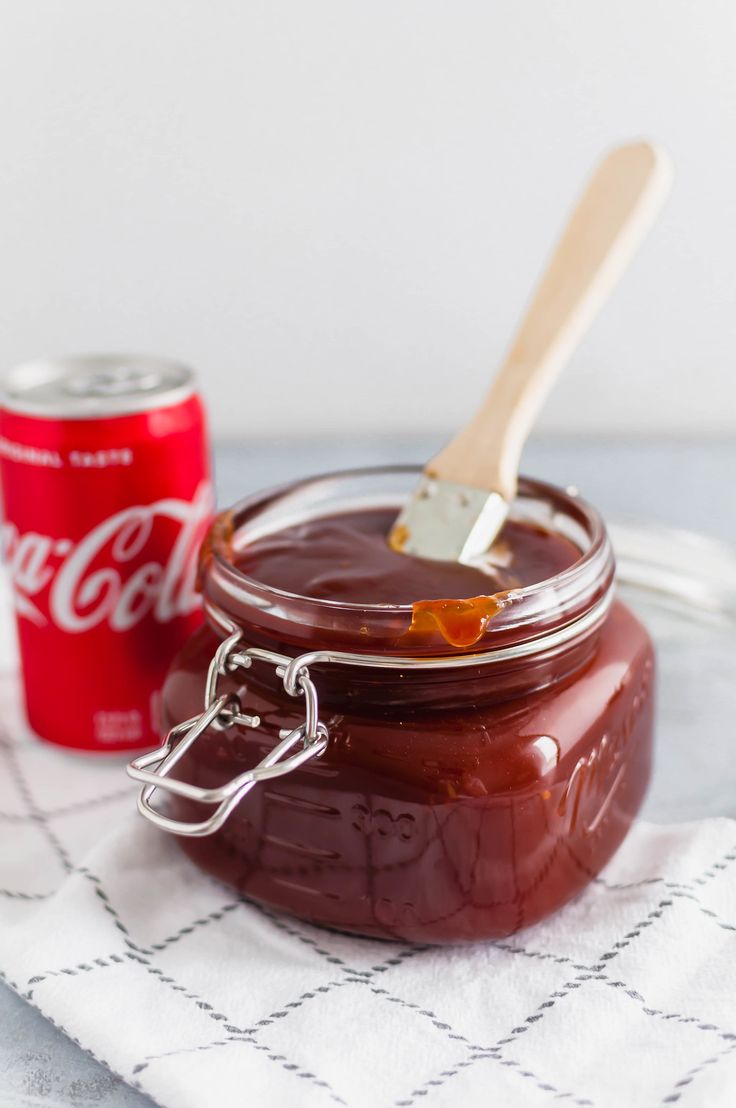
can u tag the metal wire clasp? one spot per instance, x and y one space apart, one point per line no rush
225 710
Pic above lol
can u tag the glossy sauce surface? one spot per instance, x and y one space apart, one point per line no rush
346 558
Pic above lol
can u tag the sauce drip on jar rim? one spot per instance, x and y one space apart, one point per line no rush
346 558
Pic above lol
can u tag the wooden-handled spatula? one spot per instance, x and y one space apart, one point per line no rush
463 498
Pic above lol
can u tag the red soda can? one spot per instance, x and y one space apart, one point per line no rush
105 474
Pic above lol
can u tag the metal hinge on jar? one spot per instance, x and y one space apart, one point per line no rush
225 710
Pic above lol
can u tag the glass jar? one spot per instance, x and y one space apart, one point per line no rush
395 786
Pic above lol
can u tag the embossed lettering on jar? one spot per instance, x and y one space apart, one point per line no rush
465 792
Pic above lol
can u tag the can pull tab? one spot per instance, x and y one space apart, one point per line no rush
225 710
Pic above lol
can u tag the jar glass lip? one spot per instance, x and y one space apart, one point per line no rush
229 525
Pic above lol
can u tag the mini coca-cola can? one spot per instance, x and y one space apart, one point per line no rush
104 466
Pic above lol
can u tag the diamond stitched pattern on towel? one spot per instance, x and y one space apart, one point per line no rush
200 999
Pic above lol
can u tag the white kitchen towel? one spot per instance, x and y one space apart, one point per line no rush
202 1000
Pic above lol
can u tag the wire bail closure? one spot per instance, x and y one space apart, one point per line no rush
225 710
221 711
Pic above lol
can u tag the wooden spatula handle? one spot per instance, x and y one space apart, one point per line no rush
612 216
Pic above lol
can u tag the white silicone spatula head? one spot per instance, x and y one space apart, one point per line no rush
463 498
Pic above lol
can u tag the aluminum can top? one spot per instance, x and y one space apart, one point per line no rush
94 386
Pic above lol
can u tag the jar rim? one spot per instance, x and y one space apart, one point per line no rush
598 533
560 598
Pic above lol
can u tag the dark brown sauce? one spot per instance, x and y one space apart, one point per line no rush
450 805
346 558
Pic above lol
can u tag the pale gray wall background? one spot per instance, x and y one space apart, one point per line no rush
336 209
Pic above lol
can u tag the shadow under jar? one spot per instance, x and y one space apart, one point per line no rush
445 794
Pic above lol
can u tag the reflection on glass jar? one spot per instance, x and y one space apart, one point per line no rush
464 793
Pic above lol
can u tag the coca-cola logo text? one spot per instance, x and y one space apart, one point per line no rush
83 594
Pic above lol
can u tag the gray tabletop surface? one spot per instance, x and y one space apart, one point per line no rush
673 482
